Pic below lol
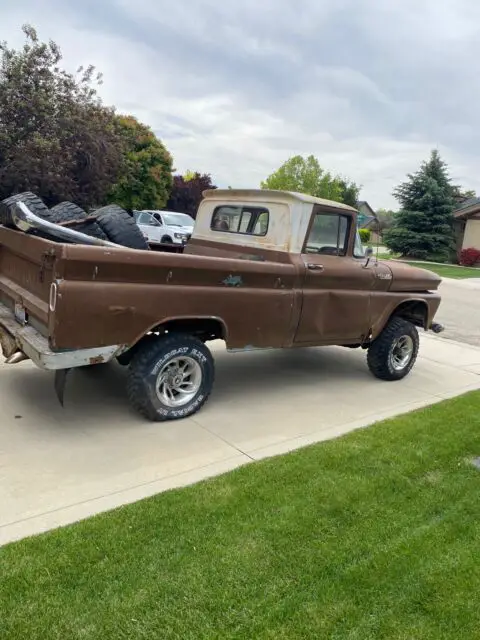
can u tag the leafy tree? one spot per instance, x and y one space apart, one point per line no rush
423 228
187 192
461 195
349 192
305 175
56 138
189 175
147 176
385 218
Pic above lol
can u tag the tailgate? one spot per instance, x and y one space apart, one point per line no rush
26 273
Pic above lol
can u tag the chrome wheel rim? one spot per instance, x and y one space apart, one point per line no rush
178 382
401 353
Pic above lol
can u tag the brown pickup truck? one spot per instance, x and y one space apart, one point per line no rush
262 270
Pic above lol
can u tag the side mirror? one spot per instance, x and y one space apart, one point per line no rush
368 256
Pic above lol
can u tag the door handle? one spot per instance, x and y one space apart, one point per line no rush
311 266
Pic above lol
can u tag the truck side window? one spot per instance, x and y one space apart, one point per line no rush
238 219
328 235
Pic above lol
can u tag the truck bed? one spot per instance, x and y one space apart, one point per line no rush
26 275
86 297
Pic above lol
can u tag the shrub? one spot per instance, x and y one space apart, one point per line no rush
365 235
469 257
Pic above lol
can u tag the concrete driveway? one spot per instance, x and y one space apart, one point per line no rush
60 465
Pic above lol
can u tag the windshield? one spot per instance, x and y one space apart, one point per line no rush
178 220
358 249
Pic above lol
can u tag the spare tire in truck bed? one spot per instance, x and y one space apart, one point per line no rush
66 211
120 227
33 202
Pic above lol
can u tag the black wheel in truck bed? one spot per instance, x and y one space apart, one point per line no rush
66 211
120 227
33 202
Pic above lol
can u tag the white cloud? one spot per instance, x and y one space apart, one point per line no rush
234 89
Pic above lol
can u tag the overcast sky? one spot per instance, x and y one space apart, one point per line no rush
368 86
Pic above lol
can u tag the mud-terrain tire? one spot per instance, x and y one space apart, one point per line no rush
392 355
66 211
120 227
156 384
33 202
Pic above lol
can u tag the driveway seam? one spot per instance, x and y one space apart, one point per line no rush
216 435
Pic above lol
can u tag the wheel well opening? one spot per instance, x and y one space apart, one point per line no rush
204 329
414 311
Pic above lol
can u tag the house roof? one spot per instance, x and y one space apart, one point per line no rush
364 203
467 208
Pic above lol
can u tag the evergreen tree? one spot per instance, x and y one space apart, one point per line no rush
423 228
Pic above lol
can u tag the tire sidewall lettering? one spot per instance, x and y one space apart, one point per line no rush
180 351
197 401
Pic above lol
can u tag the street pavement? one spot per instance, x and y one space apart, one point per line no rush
460 310
61 465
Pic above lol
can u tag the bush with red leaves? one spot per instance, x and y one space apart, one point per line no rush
469 257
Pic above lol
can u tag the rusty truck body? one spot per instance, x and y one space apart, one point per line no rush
262 270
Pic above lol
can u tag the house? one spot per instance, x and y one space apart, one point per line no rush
467 224
367 219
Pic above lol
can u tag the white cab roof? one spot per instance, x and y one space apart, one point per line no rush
289 217
271 194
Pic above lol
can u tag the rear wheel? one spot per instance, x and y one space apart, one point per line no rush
33 202
170 378
392 355
120 227
67 211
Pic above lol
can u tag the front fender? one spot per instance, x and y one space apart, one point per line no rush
419 309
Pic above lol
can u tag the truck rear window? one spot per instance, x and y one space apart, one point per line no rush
242 219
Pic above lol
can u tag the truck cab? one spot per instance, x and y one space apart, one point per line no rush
345 295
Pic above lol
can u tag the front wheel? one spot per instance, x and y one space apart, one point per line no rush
170 378
392 355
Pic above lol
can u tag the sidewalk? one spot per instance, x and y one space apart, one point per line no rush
61 465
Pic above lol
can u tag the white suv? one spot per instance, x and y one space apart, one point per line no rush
164 227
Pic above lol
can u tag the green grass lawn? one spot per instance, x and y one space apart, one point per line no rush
374 535
449 271
443 270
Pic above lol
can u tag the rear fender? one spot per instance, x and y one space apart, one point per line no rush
203 327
